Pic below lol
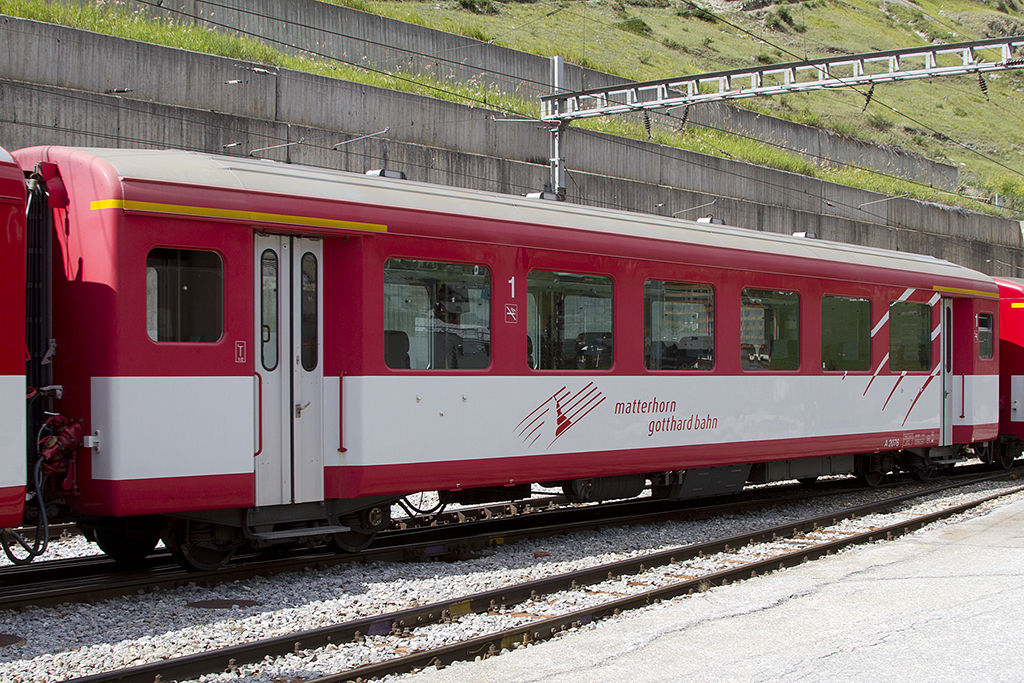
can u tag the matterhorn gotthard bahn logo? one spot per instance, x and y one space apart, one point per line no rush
660 418
558 414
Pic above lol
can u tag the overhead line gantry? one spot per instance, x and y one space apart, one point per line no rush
561 108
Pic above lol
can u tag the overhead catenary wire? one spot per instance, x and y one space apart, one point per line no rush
455 94
541 85
784 50
780 146
314 143
601 202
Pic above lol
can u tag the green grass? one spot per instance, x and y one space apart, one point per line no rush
944 119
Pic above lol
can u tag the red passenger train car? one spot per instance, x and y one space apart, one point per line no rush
12 342
256 352
1011 367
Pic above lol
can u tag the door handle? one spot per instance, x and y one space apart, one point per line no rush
299 409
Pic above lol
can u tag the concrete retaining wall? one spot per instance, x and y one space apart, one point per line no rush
55 83
389 45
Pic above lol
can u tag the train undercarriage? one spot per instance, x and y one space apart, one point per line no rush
205 541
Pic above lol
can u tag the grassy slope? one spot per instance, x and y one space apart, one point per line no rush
949 119
946 119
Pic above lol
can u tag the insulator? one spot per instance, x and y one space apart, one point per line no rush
686 115
984 86
647 124
867 101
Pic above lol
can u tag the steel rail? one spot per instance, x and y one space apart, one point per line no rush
545 629
229 658
96 578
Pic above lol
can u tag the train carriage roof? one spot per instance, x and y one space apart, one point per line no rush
271 177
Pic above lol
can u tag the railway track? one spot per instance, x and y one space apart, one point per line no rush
449 536
601 591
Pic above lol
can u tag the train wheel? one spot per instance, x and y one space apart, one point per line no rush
872 478
986 452
925 473
1005 454
200 546
126 547
870 470
363 529
352 541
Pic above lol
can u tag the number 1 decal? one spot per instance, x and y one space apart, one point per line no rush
512 309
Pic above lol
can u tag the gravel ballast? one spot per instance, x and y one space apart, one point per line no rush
80 639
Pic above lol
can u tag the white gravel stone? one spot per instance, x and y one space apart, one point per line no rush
77 640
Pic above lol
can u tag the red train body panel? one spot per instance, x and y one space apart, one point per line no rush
246 342
12 342
1011 353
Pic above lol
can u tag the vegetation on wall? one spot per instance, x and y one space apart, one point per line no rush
949 119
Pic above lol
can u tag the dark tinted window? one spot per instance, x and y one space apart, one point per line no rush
184 295
845 333
910 336
769 330
986 345
569 321
679 326
436 315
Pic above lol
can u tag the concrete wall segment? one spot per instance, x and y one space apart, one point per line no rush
819 145
307 26
433 140
44 53
391 45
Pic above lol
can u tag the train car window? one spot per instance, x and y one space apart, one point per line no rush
569 321
184 295
268 308
910 336
437 316
309 322
679 326
986 345
769 330
845 333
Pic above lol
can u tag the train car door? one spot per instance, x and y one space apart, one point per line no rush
289 370
946 338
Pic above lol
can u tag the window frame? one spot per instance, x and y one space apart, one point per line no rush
862 342
595 351
709 322
757 365
153 291
428 313
991 336
269 311
893 367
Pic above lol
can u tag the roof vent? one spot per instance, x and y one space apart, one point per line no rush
546 194
711 219
387 173
808 235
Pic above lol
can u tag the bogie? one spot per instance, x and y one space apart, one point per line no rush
201 546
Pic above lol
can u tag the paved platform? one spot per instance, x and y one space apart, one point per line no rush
943 603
